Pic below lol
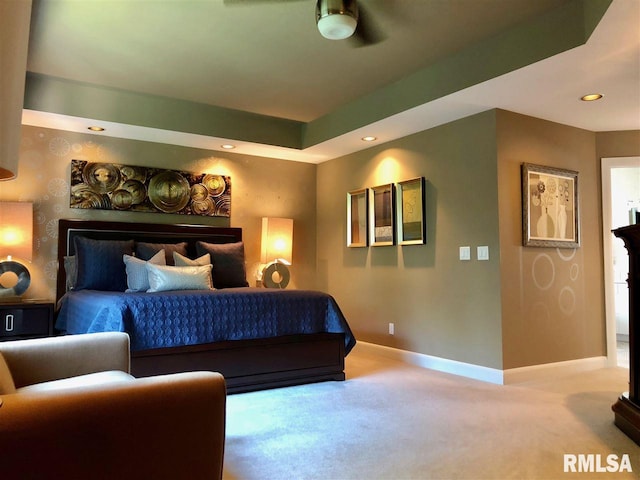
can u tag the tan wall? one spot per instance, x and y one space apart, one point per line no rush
260 187
618 144
440 305
552 299
526 306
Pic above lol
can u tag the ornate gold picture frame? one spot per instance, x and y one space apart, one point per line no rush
550 214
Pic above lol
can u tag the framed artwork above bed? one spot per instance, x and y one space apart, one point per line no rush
111 186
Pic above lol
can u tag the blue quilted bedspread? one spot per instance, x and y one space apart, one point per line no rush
189 317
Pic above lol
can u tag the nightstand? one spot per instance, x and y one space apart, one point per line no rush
26 320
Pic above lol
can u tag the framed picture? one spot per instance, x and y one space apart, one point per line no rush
381 215
111 186
550 216
410 209
357 216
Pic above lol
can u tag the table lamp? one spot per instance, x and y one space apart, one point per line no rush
16 245
277 241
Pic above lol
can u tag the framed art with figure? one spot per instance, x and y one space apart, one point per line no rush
550 216
410 206
381 215
357 218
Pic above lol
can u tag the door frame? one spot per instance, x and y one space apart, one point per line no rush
607 164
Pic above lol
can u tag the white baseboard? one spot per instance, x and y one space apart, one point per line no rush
549 371
492 375
455 367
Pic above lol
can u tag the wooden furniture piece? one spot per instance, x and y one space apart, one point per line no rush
247 365
22 320
627 408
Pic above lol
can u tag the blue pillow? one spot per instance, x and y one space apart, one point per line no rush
99 264
145 250
228 263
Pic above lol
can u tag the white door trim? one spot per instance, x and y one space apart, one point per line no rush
609 294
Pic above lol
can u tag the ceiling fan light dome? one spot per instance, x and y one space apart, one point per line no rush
337 26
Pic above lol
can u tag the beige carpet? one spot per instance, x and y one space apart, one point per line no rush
394 421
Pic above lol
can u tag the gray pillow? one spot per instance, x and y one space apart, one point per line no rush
228 263
146 250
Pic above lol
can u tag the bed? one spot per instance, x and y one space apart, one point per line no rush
257 338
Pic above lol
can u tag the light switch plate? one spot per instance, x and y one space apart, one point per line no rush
465 253
483 253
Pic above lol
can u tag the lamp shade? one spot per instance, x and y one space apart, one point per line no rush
15 18
277 240
16 230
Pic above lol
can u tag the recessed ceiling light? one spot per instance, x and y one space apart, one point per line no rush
96 129
369 139
228 146
591 97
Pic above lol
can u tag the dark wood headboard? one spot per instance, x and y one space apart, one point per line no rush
140 232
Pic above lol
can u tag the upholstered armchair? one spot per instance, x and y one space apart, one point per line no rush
69 409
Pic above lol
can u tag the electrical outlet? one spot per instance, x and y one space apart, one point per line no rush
465 253
483 253
392 329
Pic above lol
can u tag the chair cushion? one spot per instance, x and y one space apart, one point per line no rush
91 379
6 379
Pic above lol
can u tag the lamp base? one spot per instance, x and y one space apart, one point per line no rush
275 275
8 294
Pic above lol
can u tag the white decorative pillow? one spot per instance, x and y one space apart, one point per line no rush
137 276
71 272
182 261
164 278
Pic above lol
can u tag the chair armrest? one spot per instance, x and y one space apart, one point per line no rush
44 359
171 426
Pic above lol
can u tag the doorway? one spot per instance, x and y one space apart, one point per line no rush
620 202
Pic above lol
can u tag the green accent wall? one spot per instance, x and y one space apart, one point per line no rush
559 30
55 95
440 305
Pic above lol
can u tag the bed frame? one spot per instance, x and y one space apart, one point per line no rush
247 365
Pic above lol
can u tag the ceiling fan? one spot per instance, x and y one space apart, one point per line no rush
338 20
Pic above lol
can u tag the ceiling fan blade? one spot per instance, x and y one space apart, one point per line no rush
368 32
